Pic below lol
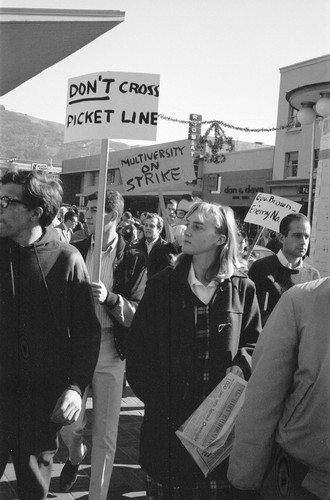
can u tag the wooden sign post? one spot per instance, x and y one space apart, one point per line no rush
164 215
100 210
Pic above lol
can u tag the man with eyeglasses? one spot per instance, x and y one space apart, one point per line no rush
49 335
163 256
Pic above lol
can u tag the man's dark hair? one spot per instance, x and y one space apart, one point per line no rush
128 215
40 189
187 197
113 201
171 202
69 215
286 221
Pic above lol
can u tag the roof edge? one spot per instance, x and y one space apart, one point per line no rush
315 60
22 15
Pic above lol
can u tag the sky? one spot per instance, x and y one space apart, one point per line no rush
217 58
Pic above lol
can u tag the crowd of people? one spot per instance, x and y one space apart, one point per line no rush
180 303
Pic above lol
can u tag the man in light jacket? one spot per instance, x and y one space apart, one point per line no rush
287 402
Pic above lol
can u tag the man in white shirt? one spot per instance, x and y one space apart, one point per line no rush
117 295
65 228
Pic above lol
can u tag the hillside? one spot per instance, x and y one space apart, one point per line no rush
28 138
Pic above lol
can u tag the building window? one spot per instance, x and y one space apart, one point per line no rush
111 176
291 164
292 118
316 158
95 178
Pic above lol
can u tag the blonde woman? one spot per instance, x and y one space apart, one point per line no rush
196 322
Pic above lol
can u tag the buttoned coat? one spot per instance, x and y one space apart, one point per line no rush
161 361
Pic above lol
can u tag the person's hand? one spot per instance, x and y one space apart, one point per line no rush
99 291
67 408
236 370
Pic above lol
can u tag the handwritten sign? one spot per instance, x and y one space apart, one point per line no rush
154 167
112 105
267 210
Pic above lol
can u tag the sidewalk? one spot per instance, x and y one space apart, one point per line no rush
127 478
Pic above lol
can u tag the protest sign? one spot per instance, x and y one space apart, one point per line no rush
154 167
267 210
112 105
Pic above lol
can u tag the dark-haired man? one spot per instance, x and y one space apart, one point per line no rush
152 227
49 336
123 278
275 274
65 228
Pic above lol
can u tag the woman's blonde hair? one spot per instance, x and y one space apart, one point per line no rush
228 257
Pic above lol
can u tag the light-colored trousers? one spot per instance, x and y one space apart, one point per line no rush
107 387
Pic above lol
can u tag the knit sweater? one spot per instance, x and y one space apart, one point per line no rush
272 279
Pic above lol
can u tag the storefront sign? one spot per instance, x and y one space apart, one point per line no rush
243 190
305 190
154 167
112 105
267 210
194 132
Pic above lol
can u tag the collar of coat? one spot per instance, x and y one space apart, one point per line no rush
180 272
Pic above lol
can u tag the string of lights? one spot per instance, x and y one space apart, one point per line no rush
224 124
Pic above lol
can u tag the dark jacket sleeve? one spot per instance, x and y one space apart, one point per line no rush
142 362
84 328
250 329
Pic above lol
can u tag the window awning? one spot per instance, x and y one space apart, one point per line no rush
32 40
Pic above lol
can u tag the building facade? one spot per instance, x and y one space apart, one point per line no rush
297 147
236 181
287 170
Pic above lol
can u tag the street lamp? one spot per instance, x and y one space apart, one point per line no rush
313 103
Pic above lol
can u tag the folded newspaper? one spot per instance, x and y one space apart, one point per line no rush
208 434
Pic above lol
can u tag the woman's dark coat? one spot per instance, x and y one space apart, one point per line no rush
160 362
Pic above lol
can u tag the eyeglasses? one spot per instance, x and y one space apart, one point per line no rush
6 200
181 213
